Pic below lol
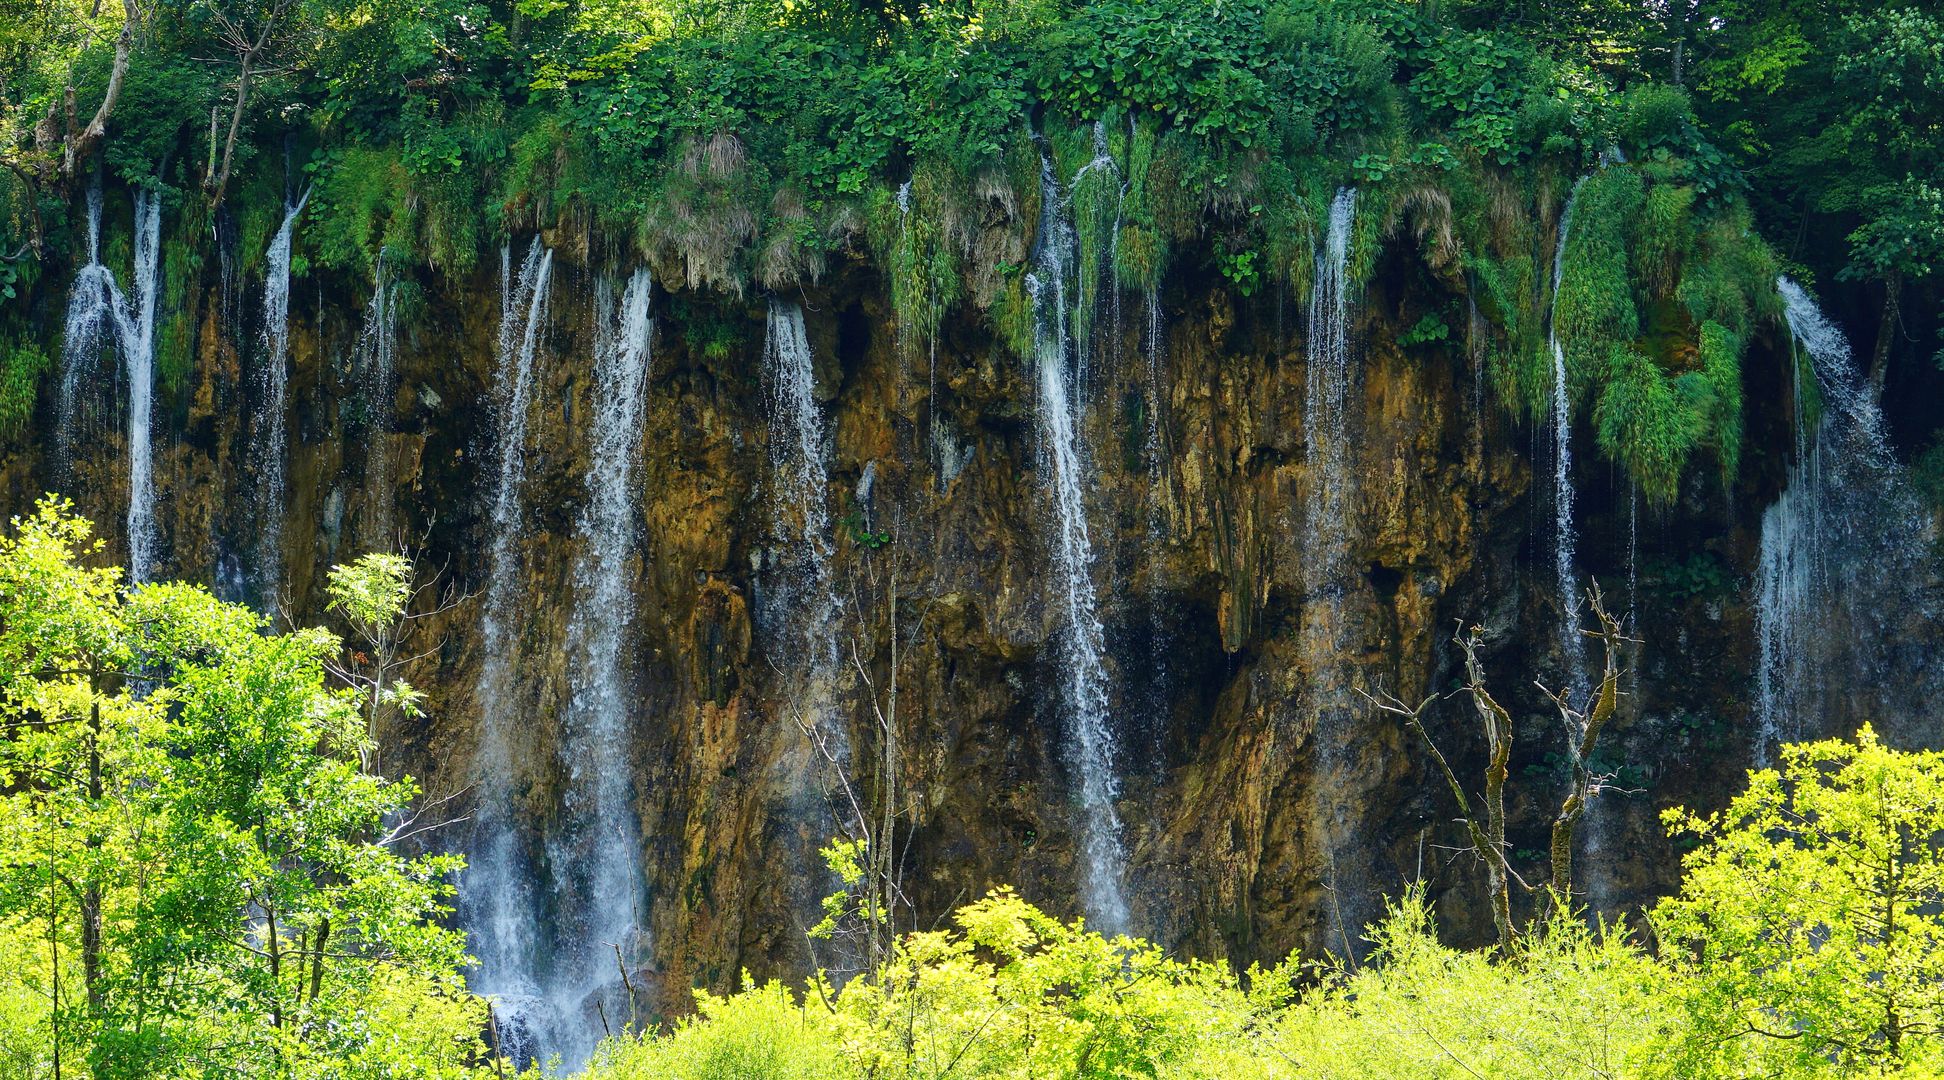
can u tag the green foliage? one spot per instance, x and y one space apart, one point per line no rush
1700 576
1649 422
759 1034
21 367
1927 474
1428 330
196 784
1012 992
1595 305
1721 352
1477 84
1776 960
1810 929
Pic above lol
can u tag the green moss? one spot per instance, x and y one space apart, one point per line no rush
22 363
1662 236
1649 423
1141 249
1012 316
1595 305
1730 277
359 203
1721 352
917 248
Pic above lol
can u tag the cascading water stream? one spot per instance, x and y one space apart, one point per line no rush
136 331
378 369
93 318
1572 646
1326 549
99 312
596 852
806 609
497 891
1091 735
1326 434
272 418
1843 554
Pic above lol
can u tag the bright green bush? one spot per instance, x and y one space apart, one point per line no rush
1809 931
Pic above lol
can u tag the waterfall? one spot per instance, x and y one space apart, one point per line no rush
805 610
497 894
1327 571
1090 733
1572 646
272 418
98 312
597 852
138 352
1326 433
94 315
378 368
1843 560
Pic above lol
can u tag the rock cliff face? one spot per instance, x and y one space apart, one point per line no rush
1267 806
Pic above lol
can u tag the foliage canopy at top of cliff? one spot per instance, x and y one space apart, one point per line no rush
745 143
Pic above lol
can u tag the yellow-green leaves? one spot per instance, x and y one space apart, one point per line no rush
1810 929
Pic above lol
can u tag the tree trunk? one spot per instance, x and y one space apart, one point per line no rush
1886 331
81 144
91 891
220 181
317 957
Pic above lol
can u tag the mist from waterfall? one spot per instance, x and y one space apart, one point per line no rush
271 423
1060 408
498 901
595 853
1843 560
378 376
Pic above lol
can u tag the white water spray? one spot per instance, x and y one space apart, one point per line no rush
272 418
1091 735
378 370
497 894
93 316
1572 646
806 610
1327 570
596 852
1842 553
97 313
1326 434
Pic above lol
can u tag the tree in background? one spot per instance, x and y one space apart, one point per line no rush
196 873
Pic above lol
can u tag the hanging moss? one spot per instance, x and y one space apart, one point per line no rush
1649 423
22 363
1141 248
357 205
1595 306
182 266
1012 315
1730 277
1721 352
917 248
1662 237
